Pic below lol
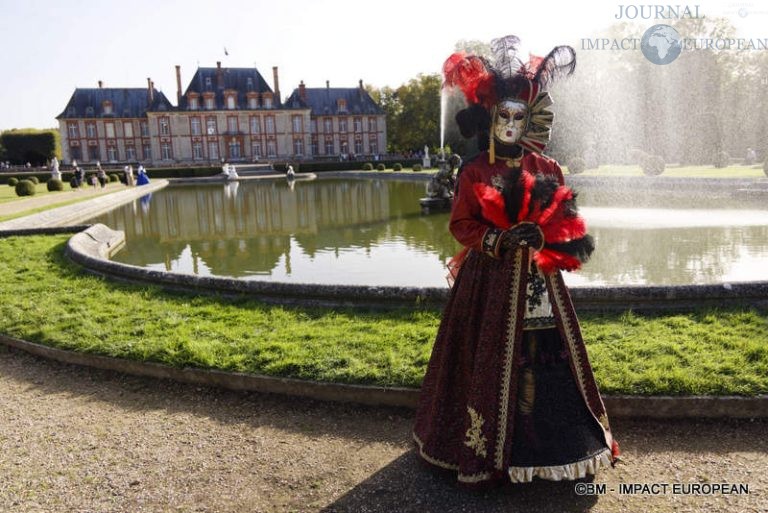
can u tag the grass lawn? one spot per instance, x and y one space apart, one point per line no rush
46 299
55 198
755 171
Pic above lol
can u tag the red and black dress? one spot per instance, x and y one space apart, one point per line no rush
509 391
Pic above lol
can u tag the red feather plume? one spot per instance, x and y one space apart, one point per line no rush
470 74
555 222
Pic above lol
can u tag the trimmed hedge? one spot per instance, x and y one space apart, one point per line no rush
12 181
416 167
347 165
25 188
54 184
380 167
113 177
367 166
397 166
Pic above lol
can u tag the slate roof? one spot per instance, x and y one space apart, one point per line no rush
324 101
126 103
232 78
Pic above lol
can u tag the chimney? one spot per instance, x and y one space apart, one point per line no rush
150 92
101 84
178 85
361 84
219 75
327 84
302 92
277 84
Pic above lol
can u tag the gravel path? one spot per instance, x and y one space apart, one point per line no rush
83 440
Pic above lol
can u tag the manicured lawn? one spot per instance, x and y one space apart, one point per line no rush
46 299
755 171
8 193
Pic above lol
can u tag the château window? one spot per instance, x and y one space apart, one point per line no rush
109 128
231 101
73 130
144 129
165 126
359 147
127 129
193 104
358 125
296 124
210 126
327 125
298 147
255 125
341 104
232 124
89 112
210 103
342 125
208 84
253 102
165 151
197 151
256 150
329 146
146 150
371 124
213 150
267 102
107 106
271 149
90 130
195 126
270 124
112 154
130 153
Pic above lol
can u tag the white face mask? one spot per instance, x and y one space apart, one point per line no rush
510 121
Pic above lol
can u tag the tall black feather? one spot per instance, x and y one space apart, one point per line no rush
560 62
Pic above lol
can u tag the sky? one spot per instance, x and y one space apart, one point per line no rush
51 47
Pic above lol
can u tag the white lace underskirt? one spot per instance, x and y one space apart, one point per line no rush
571 471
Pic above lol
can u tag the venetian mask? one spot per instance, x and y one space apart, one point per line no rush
510 121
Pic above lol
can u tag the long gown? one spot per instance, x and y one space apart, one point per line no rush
509 392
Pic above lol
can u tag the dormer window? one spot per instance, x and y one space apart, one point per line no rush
89 111
267 102
253 102
341 104
208 84
107 107
210 102
193 104
71 111
231 103
249 84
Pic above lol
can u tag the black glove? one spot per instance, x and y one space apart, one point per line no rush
522 235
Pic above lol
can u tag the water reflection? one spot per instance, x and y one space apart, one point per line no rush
372 232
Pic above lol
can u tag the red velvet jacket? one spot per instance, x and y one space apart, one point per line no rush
467 223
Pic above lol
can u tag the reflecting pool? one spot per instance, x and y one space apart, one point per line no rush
371 232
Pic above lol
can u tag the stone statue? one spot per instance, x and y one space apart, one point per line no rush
55 173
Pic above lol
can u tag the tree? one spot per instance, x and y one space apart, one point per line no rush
413 113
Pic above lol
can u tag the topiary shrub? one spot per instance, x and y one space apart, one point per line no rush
367 166
576 165
722 159
653 165
54 184
113 177
12 181
417 167
397 166
380 167
25 188
33 179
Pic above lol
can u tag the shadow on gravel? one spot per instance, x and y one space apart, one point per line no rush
407 486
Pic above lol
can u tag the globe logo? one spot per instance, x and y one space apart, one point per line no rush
661 44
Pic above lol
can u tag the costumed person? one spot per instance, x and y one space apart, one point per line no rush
509 393
142 178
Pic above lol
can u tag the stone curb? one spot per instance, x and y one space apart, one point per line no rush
86 249
661 407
